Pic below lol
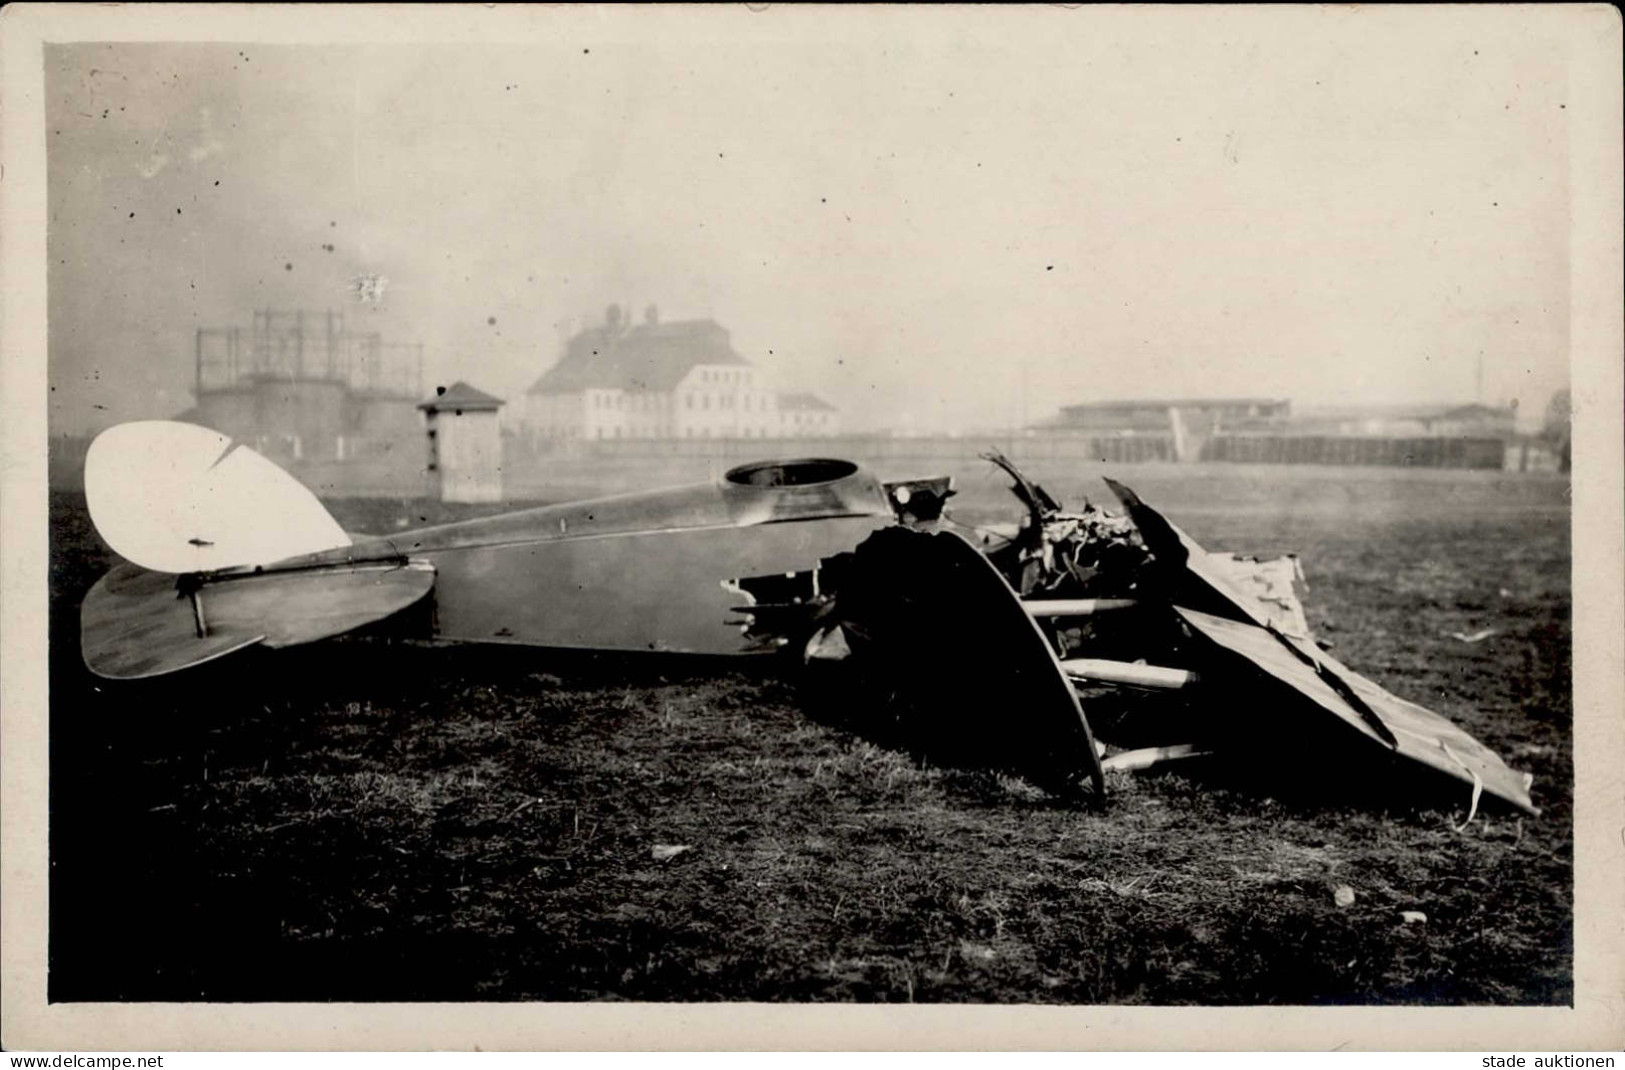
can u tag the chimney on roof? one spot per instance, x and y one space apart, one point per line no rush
651 315
612 318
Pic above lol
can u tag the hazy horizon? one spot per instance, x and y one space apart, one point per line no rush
936 229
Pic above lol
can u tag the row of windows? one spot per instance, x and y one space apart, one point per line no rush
727 401
644 429
640 402
654 402
688 432
741 377
667 431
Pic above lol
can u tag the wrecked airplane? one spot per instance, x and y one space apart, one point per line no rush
1123 603
816 559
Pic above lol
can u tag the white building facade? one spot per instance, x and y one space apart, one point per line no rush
678 380
803 415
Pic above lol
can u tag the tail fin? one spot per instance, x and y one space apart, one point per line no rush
178 498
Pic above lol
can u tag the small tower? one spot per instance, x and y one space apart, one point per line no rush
465 444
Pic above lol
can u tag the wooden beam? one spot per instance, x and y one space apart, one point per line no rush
1075 607
1145 758
1100 670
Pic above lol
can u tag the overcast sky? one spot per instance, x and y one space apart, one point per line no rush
939 221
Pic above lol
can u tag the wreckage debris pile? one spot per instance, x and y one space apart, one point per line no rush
1174 651
1088 554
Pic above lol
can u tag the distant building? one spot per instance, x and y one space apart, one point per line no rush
301 386
1410 420
1198 416
1473 421
803 415
654 380
464 432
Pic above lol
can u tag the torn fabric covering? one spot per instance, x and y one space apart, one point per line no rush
1200 583
1276 583
1241 622
1430 738
1412 731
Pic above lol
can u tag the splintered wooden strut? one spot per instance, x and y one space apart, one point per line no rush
1075 607
1102 671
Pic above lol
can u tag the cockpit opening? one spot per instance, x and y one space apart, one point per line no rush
802 473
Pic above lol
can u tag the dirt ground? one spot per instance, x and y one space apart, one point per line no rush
375 820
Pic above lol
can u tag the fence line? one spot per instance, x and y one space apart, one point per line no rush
1369 450
1110 449
369 467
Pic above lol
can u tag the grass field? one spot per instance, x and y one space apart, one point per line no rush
364 820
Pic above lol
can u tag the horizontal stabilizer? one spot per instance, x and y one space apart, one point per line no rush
136 623
179 498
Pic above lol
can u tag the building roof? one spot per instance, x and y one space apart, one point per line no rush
1166 403
649 356
803 402
1475 412
460 395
